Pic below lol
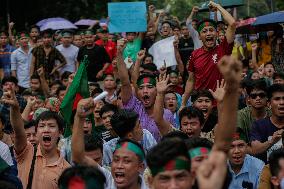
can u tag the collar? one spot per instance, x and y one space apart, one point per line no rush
59 163
244 169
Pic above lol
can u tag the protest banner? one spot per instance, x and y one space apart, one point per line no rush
163 51
127 17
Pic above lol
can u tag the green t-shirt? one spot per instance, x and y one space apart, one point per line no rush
132 48
245 120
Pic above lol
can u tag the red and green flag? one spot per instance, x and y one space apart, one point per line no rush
78 89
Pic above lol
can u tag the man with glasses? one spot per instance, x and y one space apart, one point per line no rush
257 98
266 133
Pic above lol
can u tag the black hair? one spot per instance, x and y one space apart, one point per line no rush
34 26
34 76
151 67
123 121
96 91
56 82
195 142
108 108
270 64
278 75
94 84
93 143
274 159
65 75
30 124
273 89
47 115
165 151
167 22
9 79
192 112
60 88
108 74
258 84
92 177
4 32
173 71
201 93
175 134
121 141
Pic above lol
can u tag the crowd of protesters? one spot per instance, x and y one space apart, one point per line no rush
213 121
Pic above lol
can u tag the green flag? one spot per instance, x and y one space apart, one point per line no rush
78 89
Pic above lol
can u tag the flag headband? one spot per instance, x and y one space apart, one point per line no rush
204 24
239 136
146 80
199 151
175 164
131 147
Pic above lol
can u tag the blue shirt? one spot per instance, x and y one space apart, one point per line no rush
147 143
5 59
250 173
20 62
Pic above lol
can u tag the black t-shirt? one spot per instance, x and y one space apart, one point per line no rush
210 122
262 130
185 47
97 57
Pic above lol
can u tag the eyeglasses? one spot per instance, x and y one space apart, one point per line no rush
255 95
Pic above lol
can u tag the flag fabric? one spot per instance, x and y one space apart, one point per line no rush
78 89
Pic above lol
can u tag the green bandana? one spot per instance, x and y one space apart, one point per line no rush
175 164
200 151
131 147
204 24
89 32
146 80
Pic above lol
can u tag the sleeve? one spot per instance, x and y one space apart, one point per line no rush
13 61
5 154
226 48
76 53
59 56
80 55
22 156
264 179
255 133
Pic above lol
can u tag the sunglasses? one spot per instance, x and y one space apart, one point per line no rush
255 95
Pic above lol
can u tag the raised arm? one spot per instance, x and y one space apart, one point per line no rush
84 108
177 56
43 82
162 86
229 19
136 70
253 56
32 66
231 70
126 90
17 122
30 103
188 89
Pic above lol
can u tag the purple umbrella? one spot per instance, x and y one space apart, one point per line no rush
58 25
86 22
40 23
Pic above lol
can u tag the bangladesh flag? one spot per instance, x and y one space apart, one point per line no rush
78 89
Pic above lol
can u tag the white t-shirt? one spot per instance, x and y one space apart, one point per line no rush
70 53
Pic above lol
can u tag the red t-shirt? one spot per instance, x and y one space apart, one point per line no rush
204 65
110 48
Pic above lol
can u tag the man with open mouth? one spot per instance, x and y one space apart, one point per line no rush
143 103
39 166
203 70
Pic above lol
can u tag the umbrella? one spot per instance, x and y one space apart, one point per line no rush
40 23
86 22
272 18
58 25
244 26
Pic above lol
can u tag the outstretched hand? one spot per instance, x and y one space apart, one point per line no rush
162 83
220 91
121 44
